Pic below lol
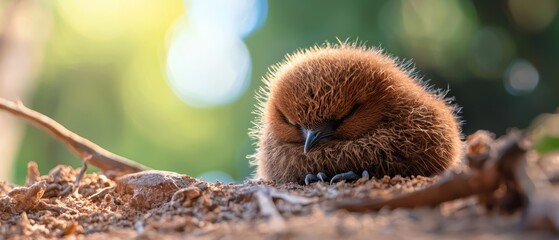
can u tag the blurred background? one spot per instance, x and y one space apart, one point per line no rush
170 84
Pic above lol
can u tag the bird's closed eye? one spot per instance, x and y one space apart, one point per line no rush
350 113
285 120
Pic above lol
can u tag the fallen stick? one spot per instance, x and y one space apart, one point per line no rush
268 209
107 161
498 168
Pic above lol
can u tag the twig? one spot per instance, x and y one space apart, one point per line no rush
459 186
55 208
82 147
268 209
498 169
101 193
81 173
293 199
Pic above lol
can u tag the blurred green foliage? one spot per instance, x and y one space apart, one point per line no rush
547 144
104 72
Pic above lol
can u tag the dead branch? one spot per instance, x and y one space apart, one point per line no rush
497 160
268 209
83 148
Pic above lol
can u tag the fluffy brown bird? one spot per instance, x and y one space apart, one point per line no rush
338 108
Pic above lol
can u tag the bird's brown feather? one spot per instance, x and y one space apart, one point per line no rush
392 123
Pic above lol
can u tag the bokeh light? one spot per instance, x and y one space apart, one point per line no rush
521 77
492 50
533 15
106 20
208 68
208 64
437 33
239 18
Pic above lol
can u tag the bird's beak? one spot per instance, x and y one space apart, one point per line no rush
312 137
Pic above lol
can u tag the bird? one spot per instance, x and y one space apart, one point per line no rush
338 108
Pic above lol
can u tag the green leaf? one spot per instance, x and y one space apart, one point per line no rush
547 144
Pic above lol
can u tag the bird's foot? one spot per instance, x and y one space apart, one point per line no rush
348 176
310 178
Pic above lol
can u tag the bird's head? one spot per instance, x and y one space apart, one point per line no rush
326 94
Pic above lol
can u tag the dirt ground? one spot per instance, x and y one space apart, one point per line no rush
166 205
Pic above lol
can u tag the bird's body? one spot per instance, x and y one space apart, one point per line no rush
340 108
